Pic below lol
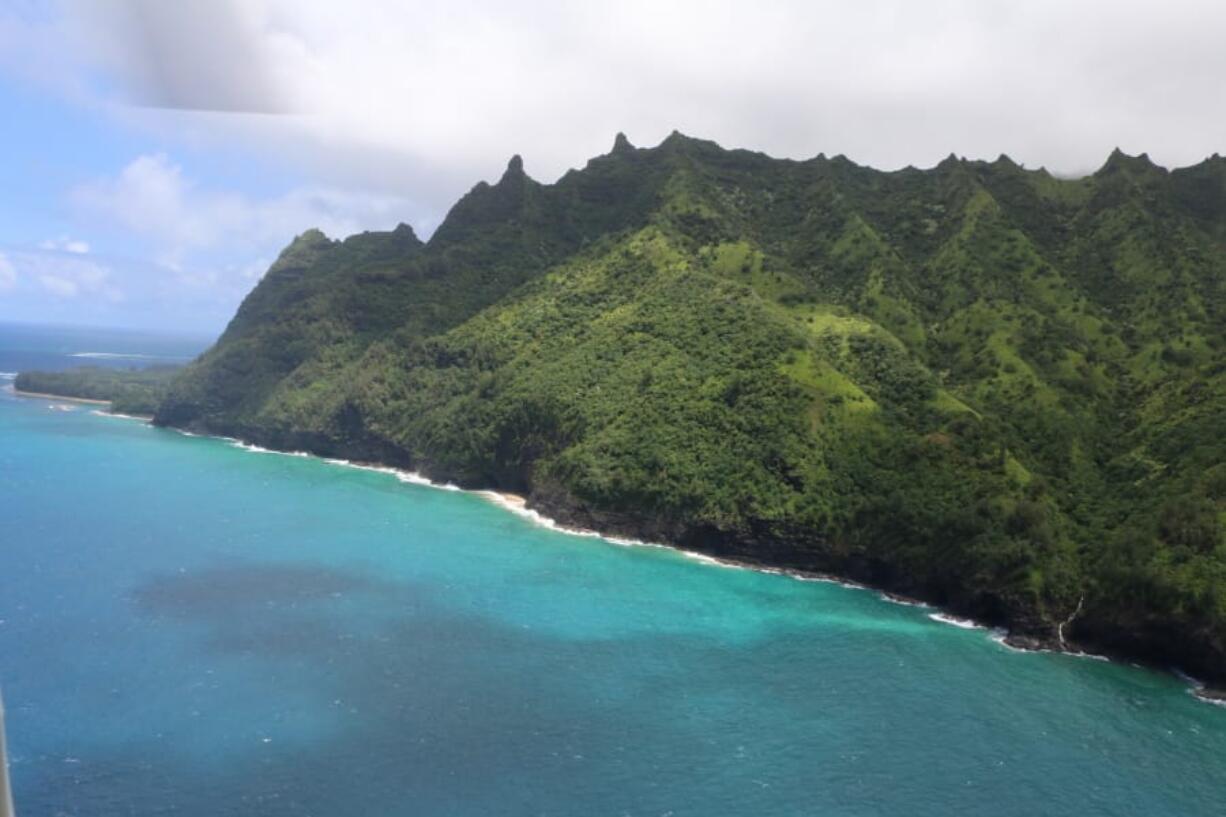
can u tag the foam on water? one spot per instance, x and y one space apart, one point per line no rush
121 416
519 506
906 602
124 356
407 477
955 621
259 449
703 558
1000 636
1196 687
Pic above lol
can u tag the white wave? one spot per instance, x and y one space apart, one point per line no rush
519 506
408 477
254 449
378 469
905 602
259 449
1001 636
962 623
1196 686
703 558
414 478
847 583
8 375
124 356
626 542
119 416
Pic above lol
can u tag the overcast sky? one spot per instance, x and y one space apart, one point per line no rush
158 154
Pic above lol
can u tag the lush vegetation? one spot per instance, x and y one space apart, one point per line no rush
980 384
129 391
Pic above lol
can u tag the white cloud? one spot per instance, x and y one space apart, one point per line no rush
65 244
420 100
8 274
60 287
453 88
61 274
151 196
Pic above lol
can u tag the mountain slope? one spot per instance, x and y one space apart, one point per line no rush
979 384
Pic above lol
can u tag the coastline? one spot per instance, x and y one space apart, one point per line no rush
545 514
47 396
87 401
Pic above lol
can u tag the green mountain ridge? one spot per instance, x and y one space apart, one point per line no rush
984 386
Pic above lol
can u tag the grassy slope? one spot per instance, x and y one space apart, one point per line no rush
980 384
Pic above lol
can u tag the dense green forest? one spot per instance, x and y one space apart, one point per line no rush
979 384
130 391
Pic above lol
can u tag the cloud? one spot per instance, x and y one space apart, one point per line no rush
453 88
152 196
63 274
69 277
164 61
420 100
60 287
65 244
8 274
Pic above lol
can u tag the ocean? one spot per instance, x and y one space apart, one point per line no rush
192 627
25 347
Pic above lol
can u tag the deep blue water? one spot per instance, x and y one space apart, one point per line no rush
25 347
191 628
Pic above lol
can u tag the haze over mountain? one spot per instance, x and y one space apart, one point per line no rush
978 384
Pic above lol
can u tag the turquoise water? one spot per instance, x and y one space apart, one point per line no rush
187 627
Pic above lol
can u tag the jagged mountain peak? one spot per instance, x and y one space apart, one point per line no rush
1119 161
515 168
949 162
402 229
310 236
302 252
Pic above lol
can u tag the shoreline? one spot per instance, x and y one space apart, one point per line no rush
87 401
48 396
520 505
